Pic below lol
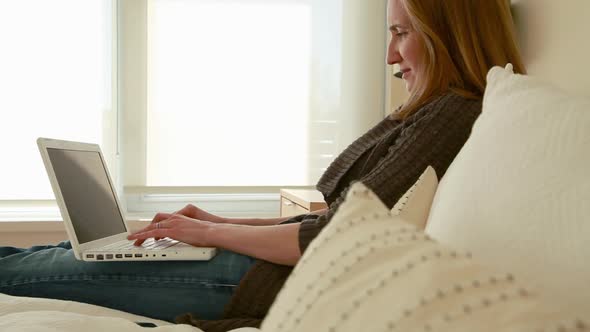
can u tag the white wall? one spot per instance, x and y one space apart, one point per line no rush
555 41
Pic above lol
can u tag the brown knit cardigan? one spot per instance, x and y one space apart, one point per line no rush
388 159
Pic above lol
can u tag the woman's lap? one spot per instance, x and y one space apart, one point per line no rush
159 290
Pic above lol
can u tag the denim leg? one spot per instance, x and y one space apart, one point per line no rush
160 290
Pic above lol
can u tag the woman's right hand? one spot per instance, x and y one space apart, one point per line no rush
190 211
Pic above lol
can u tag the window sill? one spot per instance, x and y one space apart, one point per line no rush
39 226
22 226
253 205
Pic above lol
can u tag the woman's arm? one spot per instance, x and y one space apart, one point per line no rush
278 243
254 221
194 212
265 221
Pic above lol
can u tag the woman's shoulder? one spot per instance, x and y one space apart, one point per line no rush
449 103
454 100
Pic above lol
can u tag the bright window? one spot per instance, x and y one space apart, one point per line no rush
55 81
229 86
245 93
226 99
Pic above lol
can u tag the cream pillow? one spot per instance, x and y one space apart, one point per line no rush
517 193
414 205
369 270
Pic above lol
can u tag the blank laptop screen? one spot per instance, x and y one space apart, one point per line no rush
87 193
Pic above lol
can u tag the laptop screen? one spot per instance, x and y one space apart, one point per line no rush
87 193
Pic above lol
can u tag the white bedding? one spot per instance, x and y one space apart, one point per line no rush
45 315
35 314
40 315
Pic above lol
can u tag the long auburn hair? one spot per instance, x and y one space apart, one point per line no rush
462 40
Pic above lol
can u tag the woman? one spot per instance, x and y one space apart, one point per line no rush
444 50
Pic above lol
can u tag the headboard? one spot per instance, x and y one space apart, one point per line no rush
554 36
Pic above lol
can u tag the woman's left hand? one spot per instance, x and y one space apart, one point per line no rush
178 227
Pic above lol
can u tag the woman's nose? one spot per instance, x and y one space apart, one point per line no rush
393 55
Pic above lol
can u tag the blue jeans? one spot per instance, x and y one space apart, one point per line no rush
160 290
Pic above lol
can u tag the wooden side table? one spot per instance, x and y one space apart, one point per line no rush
300 201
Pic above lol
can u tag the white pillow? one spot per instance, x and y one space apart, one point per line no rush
517 194
369 270
414 205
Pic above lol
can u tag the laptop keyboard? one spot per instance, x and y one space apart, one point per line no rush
149 250
149 244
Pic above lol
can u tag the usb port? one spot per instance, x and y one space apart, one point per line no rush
99 257
109 256
128 255
138 255
90 256
119 255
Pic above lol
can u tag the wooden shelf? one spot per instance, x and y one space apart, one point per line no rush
300 201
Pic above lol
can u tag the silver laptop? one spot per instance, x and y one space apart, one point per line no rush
91 210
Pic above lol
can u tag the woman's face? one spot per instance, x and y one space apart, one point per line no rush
405 47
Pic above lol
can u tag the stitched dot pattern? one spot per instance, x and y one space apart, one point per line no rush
349 226
382 283
492 290
401 203
363 249
466 310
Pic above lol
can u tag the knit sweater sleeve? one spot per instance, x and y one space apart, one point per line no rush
432 137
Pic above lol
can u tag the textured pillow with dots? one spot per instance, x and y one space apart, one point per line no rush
371 270
414 205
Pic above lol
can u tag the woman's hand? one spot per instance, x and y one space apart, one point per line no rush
259 238
190 211
178 227
277 243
